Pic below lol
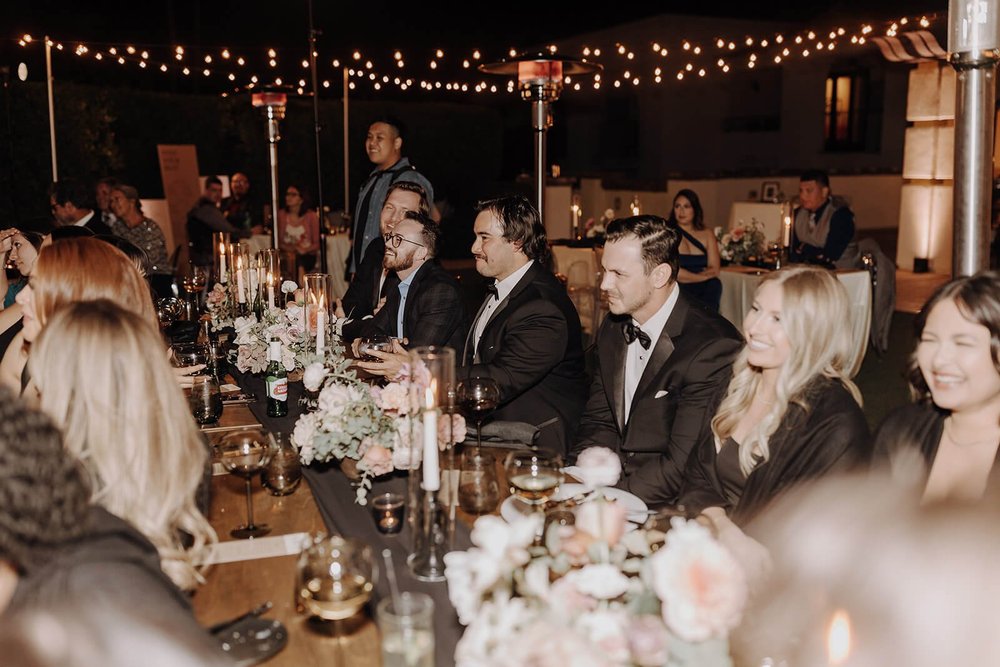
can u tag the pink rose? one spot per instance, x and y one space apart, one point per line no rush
738 233
647 638
377 460
394 397
458 430
601 519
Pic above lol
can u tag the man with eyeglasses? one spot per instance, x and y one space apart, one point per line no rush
425 307
73 205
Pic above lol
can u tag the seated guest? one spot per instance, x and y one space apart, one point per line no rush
823 226
425 307
59 551
102 376
73 205
206 218
79 269
527 334
239 207
952 432
698 273
790 413
102 193
660 361
132 225
21 248
298 230
372 281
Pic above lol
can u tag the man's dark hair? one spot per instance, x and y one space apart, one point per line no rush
212 180
659 240
430 232
73 191
821 177
69 232
44 496
109 181
521 224
415 188
394 122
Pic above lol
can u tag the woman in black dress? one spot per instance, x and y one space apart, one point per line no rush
947 441
698 276
790 412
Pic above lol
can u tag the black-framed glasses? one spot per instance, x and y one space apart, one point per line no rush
395 239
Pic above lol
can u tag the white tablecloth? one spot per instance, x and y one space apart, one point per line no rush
337 248
740 283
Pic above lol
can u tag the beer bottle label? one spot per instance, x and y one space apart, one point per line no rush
277 388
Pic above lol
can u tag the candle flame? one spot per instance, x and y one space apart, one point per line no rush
838 638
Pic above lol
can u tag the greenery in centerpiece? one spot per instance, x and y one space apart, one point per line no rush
742 243
377 426
596 594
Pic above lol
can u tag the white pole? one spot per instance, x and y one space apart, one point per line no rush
347 149
52 113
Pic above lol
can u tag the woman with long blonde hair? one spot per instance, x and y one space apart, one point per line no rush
790 412
75 269
101 376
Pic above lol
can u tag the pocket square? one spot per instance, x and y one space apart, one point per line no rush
661 393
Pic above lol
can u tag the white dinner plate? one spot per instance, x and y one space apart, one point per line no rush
635 510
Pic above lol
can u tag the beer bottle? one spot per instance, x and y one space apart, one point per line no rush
277 382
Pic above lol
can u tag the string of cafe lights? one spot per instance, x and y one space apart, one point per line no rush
624 64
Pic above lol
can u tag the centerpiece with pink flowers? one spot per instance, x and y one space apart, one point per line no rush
375 427
742 243
595 594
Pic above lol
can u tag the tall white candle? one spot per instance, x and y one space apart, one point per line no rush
241 297
321 326
270 290
222 264
786 233
432 473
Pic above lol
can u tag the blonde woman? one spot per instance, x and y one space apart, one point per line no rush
102 378
76 269
790 413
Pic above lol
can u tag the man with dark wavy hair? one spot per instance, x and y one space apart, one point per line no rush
661 361
526 335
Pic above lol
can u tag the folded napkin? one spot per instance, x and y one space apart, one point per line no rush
505 434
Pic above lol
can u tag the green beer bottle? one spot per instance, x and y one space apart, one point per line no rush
277 382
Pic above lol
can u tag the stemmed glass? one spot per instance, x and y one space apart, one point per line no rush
334 577
534 477
379 342
477 398
193 282
245 453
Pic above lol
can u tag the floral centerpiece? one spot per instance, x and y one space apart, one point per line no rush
742 242
596 594
375 426
596 229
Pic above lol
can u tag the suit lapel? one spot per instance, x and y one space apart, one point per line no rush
413 291
494 321
664 347
612 353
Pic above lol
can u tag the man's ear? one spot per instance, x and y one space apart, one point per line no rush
397 143
661 275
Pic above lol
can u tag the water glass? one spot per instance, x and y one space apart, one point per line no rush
388 510
183 355
283 473
407 627
205 399
334 577
478 489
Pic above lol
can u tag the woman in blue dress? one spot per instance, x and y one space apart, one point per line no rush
698 275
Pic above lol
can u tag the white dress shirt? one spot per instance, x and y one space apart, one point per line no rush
82 222
636 356
504 288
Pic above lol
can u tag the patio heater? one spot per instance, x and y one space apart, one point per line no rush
271 100
540 78
973 50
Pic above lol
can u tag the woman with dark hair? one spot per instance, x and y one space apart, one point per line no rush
21 249
698 276
952 431
298 229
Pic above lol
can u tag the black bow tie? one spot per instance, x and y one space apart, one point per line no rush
491 289
632 332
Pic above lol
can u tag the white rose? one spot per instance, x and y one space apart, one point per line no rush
602 581
334 399
599 466
313 376
303 434
536 579
288 287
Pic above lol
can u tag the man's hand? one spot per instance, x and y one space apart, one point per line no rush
184 375
390 363
338 311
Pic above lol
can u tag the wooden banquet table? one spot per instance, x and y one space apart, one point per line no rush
739 283
324 502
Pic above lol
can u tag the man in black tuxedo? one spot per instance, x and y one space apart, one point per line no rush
526 335
425 304
73 205
372 282
661 362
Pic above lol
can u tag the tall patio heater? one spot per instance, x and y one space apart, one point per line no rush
540 78
271 100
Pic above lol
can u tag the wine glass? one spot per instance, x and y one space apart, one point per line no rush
534 477
245 453
379 342
334 577
183 355
477 398
205 399
193 281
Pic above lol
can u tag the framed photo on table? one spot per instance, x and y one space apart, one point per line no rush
770 191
